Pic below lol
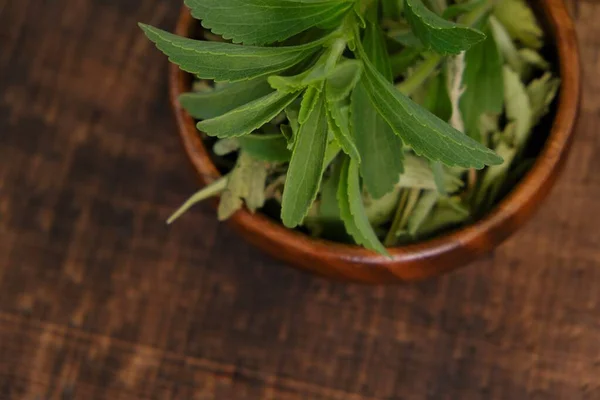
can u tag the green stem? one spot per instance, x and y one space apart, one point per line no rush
390 238
213 189
474 16
336 51
421 74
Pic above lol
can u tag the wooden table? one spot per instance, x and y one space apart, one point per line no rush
100 300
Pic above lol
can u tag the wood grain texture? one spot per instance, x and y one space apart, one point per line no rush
100 300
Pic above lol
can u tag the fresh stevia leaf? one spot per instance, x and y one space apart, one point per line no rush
418 175
437 100
225 146
406 37
518 106
312 76
352 209
270 147
403 60
424 132
522 61
483 82
422 210
225 61
534 58
507 47
405 208
392 9
311 96
447 213
455 10
379 148
337 119
331 152
380 211
212 103
213 189
245 182
306 166
375 49
245 119
291 112
541 93
342 80
261 22
443 36
495 176
520 22
439 177
329 211
419 75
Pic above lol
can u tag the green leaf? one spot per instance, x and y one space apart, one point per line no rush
306 166
406 37
331 152
484 87
261 22
311 96
225 61
403 60
223 147
518 106
424 132
291 112
212 103
245 182
392 9
329 211
313 76
381 211
422 210
352 209
418 174
375 50
245 119
506 46
213 189
437 100
541 93
439 177
520 22
534 58
495 176
443 36
462 8
447 213
379 148
269 147
337 119
419 75
342 80
407 203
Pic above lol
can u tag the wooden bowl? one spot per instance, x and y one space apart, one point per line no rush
430 257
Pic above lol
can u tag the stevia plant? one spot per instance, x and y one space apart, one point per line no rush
374 121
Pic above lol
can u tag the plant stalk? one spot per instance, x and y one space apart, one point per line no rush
421 74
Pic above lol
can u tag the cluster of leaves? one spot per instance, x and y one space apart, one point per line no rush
338 109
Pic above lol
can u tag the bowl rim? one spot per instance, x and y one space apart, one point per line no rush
526 194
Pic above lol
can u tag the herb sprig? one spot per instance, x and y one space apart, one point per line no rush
365 117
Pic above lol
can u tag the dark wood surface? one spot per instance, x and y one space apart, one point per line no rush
100 300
